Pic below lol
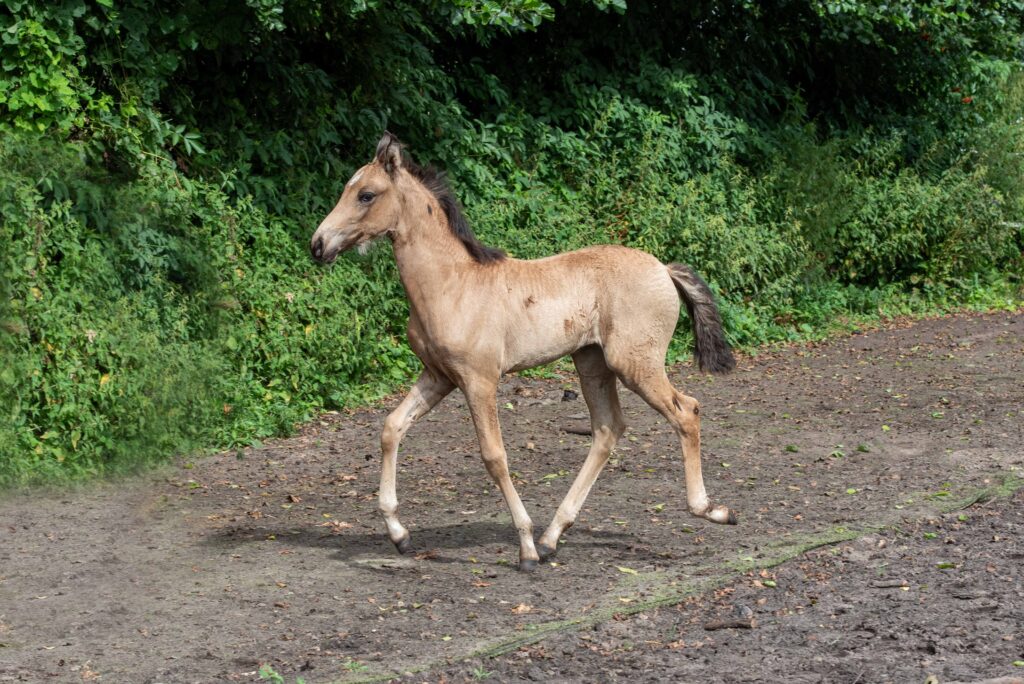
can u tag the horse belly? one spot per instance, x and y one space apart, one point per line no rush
539 357
550 333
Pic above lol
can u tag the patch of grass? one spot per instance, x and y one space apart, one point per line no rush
353 665
481 673
268 673
1008 484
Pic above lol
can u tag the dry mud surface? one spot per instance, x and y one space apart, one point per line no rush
881 538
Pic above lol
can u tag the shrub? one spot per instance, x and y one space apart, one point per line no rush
162 167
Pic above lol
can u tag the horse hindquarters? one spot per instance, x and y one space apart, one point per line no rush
635 350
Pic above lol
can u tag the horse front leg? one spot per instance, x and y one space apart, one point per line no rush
429 389
481 397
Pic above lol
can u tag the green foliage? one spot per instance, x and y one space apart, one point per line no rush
163 165
92 369
877 220
40 85
180 320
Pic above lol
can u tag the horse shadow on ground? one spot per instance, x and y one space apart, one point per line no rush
438 544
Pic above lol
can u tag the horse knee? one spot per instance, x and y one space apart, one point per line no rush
496 464
394 428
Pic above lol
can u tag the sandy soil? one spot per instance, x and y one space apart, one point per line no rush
877 478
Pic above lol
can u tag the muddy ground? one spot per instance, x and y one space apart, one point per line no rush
877 478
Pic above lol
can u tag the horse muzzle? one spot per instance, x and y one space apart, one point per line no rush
316 248
325 251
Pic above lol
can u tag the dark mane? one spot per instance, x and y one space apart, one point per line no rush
436 182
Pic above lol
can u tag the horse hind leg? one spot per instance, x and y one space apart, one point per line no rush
429 389
683 413
598 384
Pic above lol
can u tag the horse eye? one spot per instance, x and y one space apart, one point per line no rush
366 197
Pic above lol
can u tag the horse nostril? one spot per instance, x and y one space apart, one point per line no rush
317 248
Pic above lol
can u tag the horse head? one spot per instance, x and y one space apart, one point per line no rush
370 205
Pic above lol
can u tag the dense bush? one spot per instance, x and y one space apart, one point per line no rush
162 167
184 319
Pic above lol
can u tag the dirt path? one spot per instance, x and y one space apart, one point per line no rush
939 597
850 464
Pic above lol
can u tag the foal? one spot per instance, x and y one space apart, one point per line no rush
475 314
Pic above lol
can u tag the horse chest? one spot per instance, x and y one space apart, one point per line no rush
445 343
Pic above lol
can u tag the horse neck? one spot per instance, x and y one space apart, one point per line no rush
428 255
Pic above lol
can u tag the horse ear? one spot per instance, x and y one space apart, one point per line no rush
389 153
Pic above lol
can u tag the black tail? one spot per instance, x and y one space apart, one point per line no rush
709 346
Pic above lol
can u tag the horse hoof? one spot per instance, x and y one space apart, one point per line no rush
545 552
720 514
403 545
527 565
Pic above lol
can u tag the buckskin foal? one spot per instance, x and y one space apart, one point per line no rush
475 314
